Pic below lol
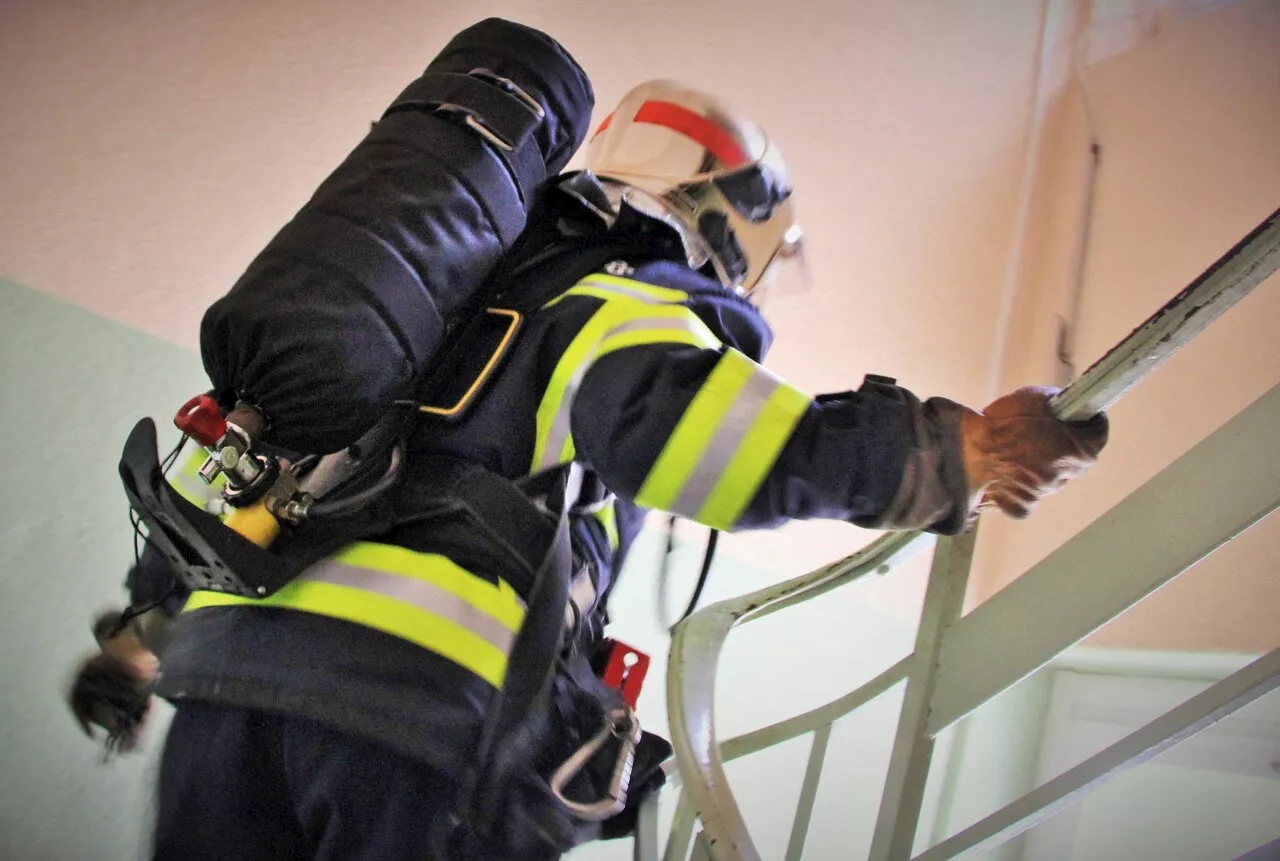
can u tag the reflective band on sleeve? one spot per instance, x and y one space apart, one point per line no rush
754 458
688 450
725 444
420 597
614 326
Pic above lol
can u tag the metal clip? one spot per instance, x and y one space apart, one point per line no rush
509 86
476 124
620 724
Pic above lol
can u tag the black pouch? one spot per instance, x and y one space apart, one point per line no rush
582 705
558 737
533 818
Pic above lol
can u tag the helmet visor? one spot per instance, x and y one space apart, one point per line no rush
786 273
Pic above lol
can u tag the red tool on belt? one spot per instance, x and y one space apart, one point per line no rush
625 669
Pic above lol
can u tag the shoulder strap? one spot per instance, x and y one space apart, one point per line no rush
530 668
559 248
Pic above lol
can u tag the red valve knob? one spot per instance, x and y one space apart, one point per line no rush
201 419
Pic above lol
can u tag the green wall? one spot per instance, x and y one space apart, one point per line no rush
72 385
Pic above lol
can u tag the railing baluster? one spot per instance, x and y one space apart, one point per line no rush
913 745
808 792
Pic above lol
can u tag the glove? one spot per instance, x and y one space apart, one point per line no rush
112 690
1010 456
1016 452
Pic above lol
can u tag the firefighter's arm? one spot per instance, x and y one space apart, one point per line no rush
708 434
111 689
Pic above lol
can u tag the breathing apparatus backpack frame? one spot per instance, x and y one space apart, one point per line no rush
325 340
596 761
406 249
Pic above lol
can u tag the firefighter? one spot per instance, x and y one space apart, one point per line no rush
383 705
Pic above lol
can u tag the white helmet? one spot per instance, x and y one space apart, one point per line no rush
684 158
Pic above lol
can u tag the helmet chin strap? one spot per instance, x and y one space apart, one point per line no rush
698 250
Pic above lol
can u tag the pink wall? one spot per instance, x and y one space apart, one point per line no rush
1189 122
151 148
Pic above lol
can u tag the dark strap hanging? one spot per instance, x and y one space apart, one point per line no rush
530 669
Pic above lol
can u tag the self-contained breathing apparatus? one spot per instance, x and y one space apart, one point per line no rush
569 701
311 468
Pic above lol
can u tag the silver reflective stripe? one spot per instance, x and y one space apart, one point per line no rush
735 423
638 291
561 424
629 292
560 428
417 592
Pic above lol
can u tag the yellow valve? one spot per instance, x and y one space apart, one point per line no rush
255 523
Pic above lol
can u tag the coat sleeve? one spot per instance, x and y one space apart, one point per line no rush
702 431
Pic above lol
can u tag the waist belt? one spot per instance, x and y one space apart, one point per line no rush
421 597
498 510
426 597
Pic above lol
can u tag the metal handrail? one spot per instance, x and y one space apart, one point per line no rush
695 654
697 642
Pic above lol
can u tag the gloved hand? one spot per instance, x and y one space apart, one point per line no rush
112 690
1016 452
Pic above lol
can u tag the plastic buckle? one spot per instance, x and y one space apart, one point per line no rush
625 670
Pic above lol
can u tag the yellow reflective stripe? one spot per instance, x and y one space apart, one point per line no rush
428 630
666 294
582 290
754 458
690 336
686 447
629 286
614 326
424 598
608 517
573 360
725 443
630 314
498 600
612 288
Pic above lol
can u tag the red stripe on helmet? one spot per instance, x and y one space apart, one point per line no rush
713 137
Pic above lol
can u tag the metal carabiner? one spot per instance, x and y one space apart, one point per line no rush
620 724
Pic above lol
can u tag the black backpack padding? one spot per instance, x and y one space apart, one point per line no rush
347 307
